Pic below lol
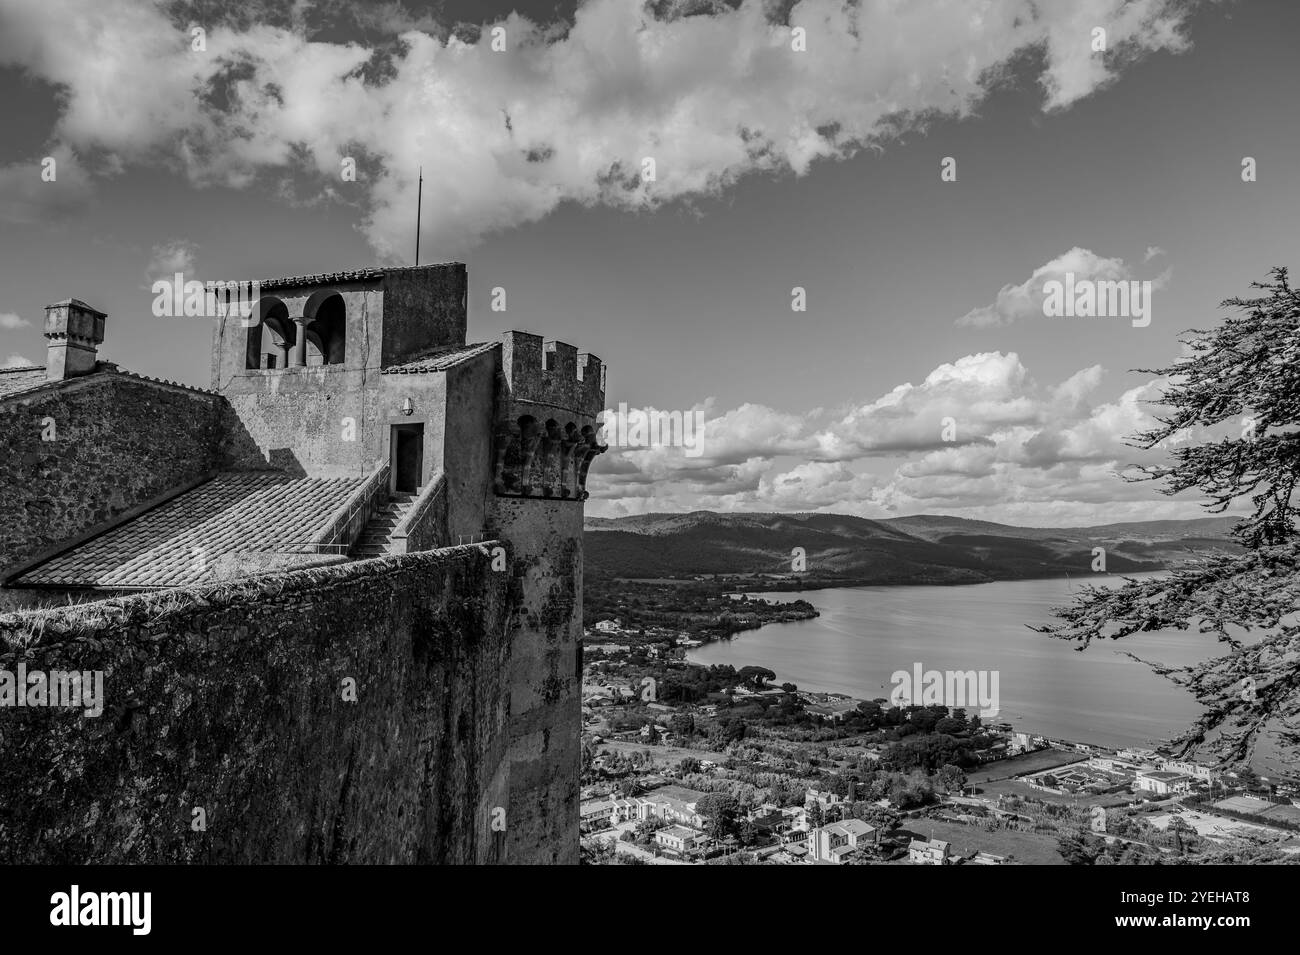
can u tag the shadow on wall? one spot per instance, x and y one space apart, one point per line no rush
240 451
283 459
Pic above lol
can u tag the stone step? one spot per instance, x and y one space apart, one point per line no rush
376 537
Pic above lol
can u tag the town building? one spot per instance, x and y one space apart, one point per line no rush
674 804
1187 767
928 852
1162 783
596 814
822 798
1138 756
680 838
836 842
1024 743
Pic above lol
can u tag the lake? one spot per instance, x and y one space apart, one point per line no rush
1046 686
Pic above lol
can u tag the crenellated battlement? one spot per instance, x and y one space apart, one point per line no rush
549 400
552 374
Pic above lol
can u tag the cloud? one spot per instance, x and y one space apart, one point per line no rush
815 484
168 258
1020 451
9 321
1024 302
565 113
16 361
1075 70
962 401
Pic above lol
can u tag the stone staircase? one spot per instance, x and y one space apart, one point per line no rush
377 536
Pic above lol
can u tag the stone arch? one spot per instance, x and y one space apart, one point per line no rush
279 335
325 316
268 321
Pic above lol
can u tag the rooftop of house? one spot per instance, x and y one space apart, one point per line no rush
855 827
209 533
14 381
19 381
440 359
929 845
679 832
331 278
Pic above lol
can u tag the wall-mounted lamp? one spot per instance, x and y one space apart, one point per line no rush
407 407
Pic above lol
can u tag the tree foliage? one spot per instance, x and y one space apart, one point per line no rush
1238 388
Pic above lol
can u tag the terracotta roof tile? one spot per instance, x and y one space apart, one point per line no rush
14 381
207 534
18 381
440 359
326 278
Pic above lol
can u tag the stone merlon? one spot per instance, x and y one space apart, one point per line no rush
552 374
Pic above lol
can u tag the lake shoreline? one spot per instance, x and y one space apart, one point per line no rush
863 634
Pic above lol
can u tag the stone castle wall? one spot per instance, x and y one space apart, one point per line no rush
231 700
545 676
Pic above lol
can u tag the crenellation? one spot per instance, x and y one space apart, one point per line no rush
552 374
560 360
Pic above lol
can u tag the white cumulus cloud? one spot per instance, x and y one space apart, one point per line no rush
564 113
1024 302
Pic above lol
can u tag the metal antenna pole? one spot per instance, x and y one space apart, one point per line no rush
419 208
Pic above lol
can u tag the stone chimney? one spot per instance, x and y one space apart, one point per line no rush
74 330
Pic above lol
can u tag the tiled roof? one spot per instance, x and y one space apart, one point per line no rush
18 381
158 381
326 278
14 381
213 532
440 359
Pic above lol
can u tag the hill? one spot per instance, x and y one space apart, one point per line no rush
923 549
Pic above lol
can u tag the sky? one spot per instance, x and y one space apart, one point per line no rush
794 146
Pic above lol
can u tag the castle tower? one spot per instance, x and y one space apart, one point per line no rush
548 404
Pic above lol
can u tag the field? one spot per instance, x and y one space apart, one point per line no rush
1014 787
1028 848
1273 812
663 757
1021 765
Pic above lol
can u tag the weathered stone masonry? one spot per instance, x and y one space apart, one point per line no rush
231 700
